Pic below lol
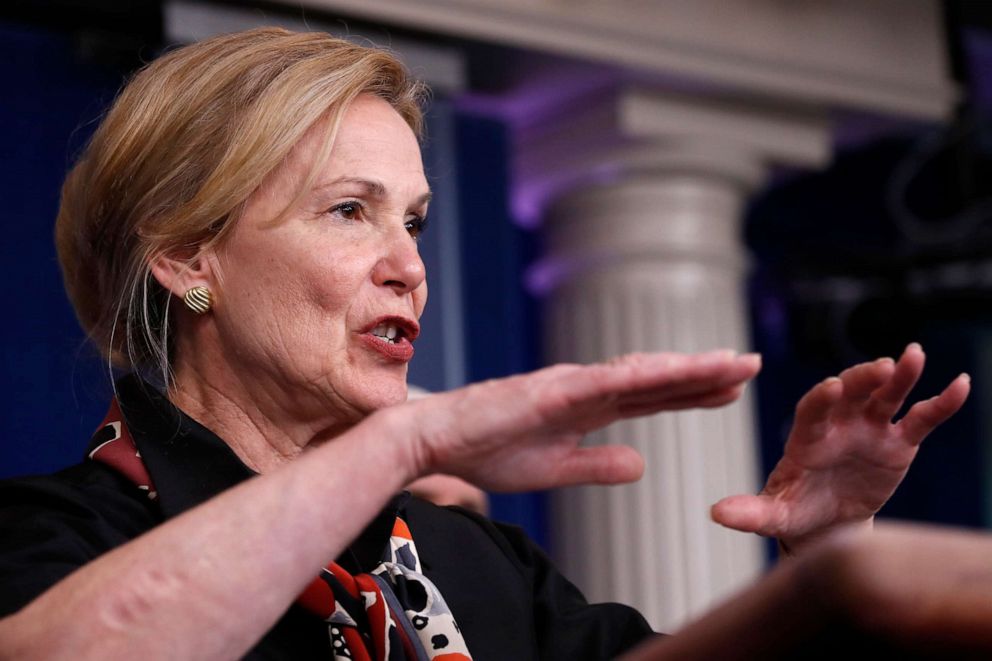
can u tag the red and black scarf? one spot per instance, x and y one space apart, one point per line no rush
393 613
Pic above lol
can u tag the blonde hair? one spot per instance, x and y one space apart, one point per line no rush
185 144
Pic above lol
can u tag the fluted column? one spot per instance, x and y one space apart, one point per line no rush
644 254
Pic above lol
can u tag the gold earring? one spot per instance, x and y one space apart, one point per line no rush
198 299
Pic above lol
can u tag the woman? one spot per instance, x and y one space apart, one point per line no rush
243 229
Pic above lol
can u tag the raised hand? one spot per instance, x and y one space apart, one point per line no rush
844 457
523 432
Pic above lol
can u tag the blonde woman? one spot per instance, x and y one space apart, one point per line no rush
241 236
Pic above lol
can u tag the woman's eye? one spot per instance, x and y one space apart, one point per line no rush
416 226
347 210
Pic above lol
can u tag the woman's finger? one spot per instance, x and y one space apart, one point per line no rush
646 381
685 390
693 386
757 514
889 398
924 416
671 373
705 400
691 378
600 464
814 410
860 382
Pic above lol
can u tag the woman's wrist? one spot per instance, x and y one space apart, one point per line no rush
398 426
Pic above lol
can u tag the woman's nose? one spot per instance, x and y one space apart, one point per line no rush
400 267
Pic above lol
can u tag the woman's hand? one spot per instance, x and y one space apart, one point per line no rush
845 457
523 432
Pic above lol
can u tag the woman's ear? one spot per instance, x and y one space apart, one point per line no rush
178 272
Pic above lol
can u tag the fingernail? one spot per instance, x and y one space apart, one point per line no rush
965 376
914 345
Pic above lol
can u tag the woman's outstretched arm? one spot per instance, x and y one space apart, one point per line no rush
170 593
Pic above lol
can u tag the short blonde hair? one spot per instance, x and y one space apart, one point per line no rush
187 141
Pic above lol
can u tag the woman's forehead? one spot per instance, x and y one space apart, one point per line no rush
372 144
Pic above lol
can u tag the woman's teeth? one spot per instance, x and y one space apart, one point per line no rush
386 332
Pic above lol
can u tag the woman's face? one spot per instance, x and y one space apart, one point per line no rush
321 306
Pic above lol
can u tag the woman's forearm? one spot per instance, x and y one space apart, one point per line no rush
211 582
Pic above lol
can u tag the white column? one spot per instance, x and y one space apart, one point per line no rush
668 278
644 254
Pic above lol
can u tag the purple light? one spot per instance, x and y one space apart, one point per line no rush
530 199
978 46
546 274
549 89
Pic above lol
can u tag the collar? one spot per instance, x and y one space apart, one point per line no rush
189 464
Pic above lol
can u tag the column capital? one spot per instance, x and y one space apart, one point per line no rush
883 56
642 131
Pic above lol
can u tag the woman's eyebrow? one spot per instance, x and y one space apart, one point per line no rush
372 188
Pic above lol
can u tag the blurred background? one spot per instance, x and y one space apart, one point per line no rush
812 180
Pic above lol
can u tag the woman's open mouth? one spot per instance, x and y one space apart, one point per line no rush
388 333
392 337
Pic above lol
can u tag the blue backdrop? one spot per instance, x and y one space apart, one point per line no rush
53 388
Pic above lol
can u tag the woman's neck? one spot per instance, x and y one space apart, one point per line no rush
265 429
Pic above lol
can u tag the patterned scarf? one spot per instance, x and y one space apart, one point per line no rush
393 613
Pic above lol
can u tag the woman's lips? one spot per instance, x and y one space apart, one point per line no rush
399 350
391 337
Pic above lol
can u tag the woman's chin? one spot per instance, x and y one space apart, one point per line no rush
383 395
